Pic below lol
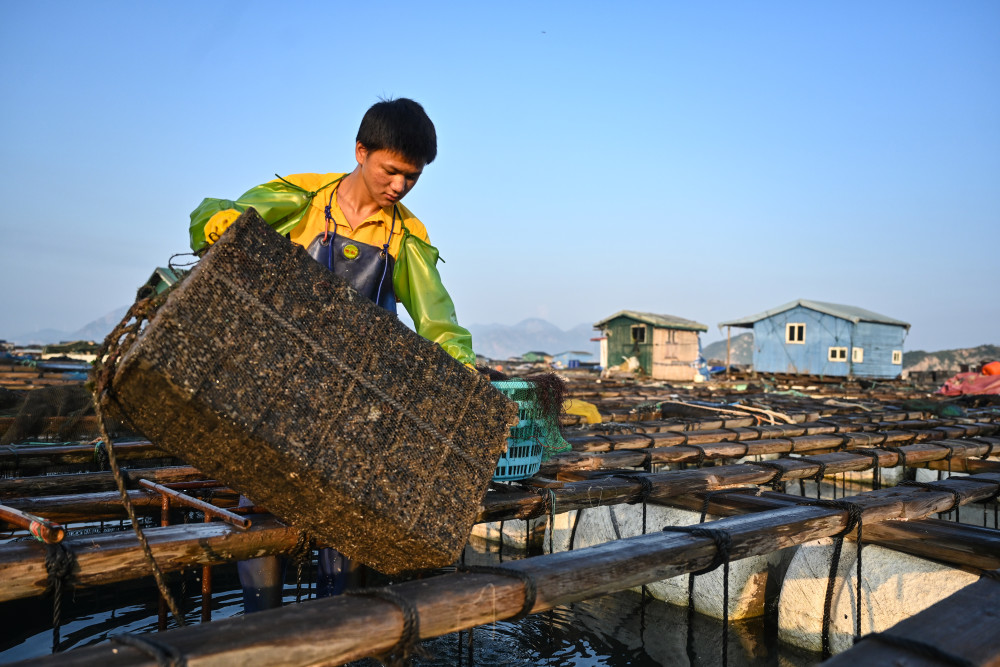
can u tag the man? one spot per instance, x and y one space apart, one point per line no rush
355 225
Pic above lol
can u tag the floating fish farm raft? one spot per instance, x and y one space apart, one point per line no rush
863 519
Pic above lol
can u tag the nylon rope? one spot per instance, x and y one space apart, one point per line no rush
104 369
854 519
723 544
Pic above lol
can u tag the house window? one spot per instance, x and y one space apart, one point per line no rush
837 354
897 356
857 354
639 333
795 332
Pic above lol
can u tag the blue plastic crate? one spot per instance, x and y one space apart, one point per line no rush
524 448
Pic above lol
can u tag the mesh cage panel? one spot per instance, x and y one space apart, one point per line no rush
266 371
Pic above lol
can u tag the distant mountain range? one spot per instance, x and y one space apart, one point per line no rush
95 331
740 350
496 341
950 360
500 341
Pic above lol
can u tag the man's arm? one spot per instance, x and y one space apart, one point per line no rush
282 205
418 286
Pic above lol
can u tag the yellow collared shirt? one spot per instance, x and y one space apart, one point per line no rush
373 230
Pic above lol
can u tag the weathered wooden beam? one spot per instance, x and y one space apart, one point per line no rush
965 625
819 437
113 557
89 482
681 453
611 490
519 504
34 456
337 630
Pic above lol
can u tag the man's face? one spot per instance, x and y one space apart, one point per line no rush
387 175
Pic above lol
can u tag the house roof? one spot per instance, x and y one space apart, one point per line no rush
657 320
850 313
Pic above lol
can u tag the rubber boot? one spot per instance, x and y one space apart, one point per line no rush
331 579
262 580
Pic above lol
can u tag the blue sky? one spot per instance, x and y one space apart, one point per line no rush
707 160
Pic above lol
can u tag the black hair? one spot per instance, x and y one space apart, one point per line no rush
401 126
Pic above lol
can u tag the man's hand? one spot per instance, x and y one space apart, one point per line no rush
219 223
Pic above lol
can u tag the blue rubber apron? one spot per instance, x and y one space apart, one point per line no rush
367 268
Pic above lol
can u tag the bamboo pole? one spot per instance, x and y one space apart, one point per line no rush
337 630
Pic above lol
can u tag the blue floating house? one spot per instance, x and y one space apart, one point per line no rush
817 338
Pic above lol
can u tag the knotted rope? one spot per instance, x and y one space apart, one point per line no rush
60 562
854 519
723 545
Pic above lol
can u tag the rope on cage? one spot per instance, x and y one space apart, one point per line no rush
646 489
992 499
300 554
572 532
123 335
898 451
101 454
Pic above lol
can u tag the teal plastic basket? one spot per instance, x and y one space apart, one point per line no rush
524 447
